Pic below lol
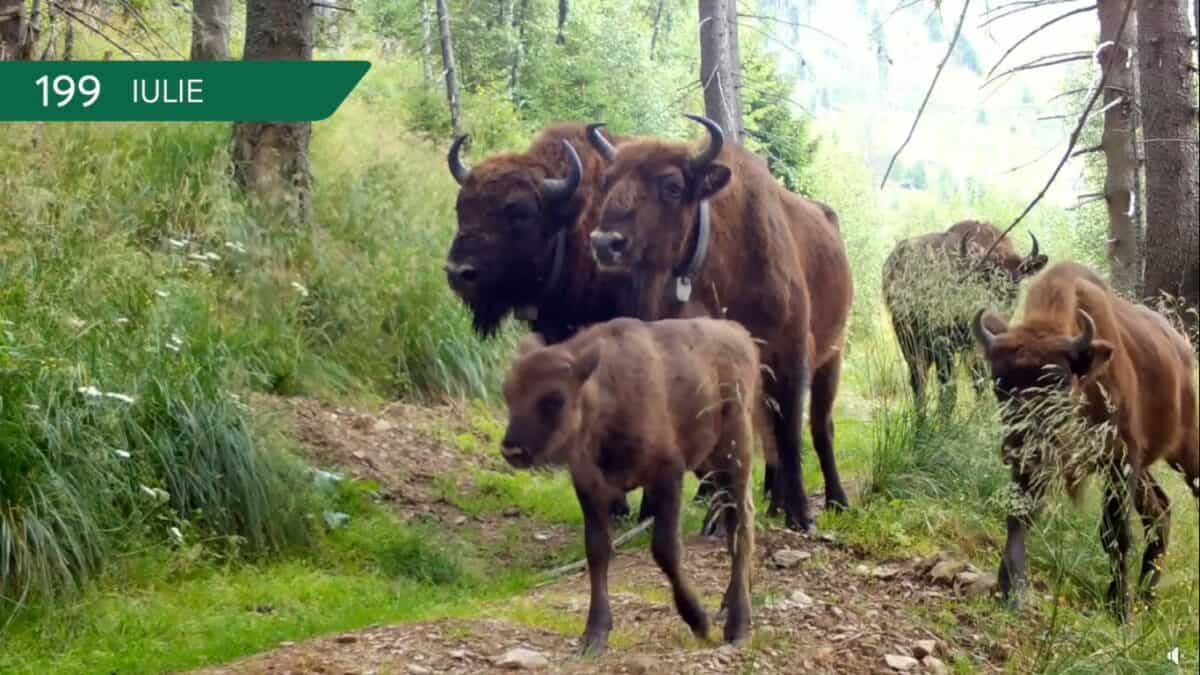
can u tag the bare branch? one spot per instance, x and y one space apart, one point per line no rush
1042 62
329 6
1035 31
962 18
1037 159
95 30
1085 151
1072 92
1039 4
763 17
1070 144
580 565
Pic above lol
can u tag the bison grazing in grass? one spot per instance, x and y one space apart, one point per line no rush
1121 370
626 404
711 224
933 283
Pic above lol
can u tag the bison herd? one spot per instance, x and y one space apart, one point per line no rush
682 303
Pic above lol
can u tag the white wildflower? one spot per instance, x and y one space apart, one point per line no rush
124 398
235 246
32 406
122 454
179 243
162 294
176 534
91 391
300 288
212 256
121 321
149 491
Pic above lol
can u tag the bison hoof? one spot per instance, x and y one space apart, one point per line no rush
836 501
592 645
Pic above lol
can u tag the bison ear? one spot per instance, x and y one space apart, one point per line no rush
586 364
529 343
1091 360
713 178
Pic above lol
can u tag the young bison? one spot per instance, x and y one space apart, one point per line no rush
1125 366
625 404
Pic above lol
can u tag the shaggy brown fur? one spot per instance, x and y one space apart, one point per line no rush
927 340
626 404
776 264
1127 367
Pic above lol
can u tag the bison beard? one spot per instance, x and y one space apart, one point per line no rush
775 264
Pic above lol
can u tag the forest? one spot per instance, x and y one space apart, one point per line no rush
263 385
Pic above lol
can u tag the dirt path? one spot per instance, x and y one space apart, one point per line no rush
819 605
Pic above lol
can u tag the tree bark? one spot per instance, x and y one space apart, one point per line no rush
1169 122
717 70
452 97
1120 146
270 159
518 54
211 21
563 10
68 38
658 15
426 44
12 15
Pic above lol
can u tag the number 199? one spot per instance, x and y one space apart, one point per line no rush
65 88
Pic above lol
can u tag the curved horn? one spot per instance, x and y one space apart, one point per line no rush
716 140
561 189
600 143
1084 340
982 335
1033 253
459 170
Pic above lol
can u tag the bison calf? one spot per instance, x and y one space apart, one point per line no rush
625 404
1122 366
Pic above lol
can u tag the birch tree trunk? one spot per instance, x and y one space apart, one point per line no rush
717 70
426 44
452 97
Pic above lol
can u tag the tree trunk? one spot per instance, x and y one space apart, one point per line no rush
426 44
210 29
448 66
518 54
563 9
12 14
1120 146
658 15
68 38
717 70
271 158
1169 123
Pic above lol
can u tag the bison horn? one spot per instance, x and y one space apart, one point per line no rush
1084 340
600 143
561 189
459 170
1033 253
716 140
982 335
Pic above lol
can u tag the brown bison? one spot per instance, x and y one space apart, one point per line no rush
931 302
522 240
712 221
1119 365
626 404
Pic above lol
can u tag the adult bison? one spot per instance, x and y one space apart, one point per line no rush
522 241
712 221
1116 364
933 283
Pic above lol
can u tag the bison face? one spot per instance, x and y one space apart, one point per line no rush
1029 365
509 212
652 192
543 393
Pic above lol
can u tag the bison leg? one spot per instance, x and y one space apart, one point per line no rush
598 543
1155 510
947 391
739 531
789 391
619 508
1114 535
667 551
1012 577
824 392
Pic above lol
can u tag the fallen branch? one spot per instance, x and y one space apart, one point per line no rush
920 111
1035 31
1066 155
580 565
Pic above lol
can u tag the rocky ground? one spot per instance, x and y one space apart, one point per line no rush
820 606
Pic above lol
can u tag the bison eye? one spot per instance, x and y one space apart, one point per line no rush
518 214
671 190
550 406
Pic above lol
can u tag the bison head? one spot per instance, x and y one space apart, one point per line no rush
543 392
1003 260
652 193
1026 361
511 210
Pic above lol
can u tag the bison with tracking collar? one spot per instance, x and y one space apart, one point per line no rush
628 404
